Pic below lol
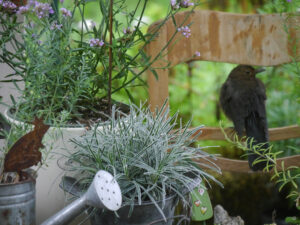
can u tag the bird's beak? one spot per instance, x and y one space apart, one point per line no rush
260 70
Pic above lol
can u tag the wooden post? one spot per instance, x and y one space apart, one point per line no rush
158 86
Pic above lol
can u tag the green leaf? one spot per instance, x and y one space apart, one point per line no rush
292 220
129 95
154 73
13 99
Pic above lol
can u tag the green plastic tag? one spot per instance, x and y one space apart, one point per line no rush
201 209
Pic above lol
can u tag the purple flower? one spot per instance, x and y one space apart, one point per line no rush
174 4
23 9
55 25
185 30
197 54
65 12
61 1
96 42
289 0
31 3
42 10
128 30
186 3
8 6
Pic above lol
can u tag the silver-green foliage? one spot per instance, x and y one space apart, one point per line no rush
149 159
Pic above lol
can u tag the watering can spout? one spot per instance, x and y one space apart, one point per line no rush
104 192
67 214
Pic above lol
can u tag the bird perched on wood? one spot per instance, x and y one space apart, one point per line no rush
242 99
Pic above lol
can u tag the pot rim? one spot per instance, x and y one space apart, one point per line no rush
30 179
9 116
149 202
135 203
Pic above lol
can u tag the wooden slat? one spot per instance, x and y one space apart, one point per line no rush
250 39
275 134
242 166
283 133
232 165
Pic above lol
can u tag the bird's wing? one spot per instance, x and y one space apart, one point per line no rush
260 98
225 94
230 104
230 99
225 97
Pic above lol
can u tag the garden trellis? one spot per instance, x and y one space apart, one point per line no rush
250 39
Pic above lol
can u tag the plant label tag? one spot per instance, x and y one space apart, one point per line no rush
201 208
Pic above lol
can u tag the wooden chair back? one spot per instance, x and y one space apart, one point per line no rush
250 39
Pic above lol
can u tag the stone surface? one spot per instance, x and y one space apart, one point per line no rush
221 217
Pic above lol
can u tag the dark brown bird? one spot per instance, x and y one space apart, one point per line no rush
25 152
242 99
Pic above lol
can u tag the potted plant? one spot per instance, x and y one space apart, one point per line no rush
71 71
151 161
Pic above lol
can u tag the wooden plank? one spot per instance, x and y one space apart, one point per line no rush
283 133
228 165
233 165
275 134
252 39
242 166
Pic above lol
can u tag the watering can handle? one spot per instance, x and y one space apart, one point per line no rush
67 214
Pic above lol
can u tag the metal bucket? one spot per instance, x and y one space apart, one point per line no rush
143 214
17 203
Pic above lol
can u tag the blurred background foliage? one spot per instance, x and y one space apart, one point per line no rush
194 91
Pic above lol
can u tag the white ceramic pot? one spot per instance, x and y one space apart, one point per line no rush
49 197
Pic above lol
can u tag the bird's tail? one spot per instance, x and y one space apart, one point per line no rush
257 130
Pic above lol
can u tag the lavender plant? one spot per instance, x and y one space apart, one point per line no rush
149 159
71 72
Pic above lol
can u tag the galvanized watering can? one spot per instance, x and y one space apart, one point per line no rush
104 192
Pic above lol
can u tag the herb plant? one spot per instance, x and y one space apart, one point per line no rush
71 71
